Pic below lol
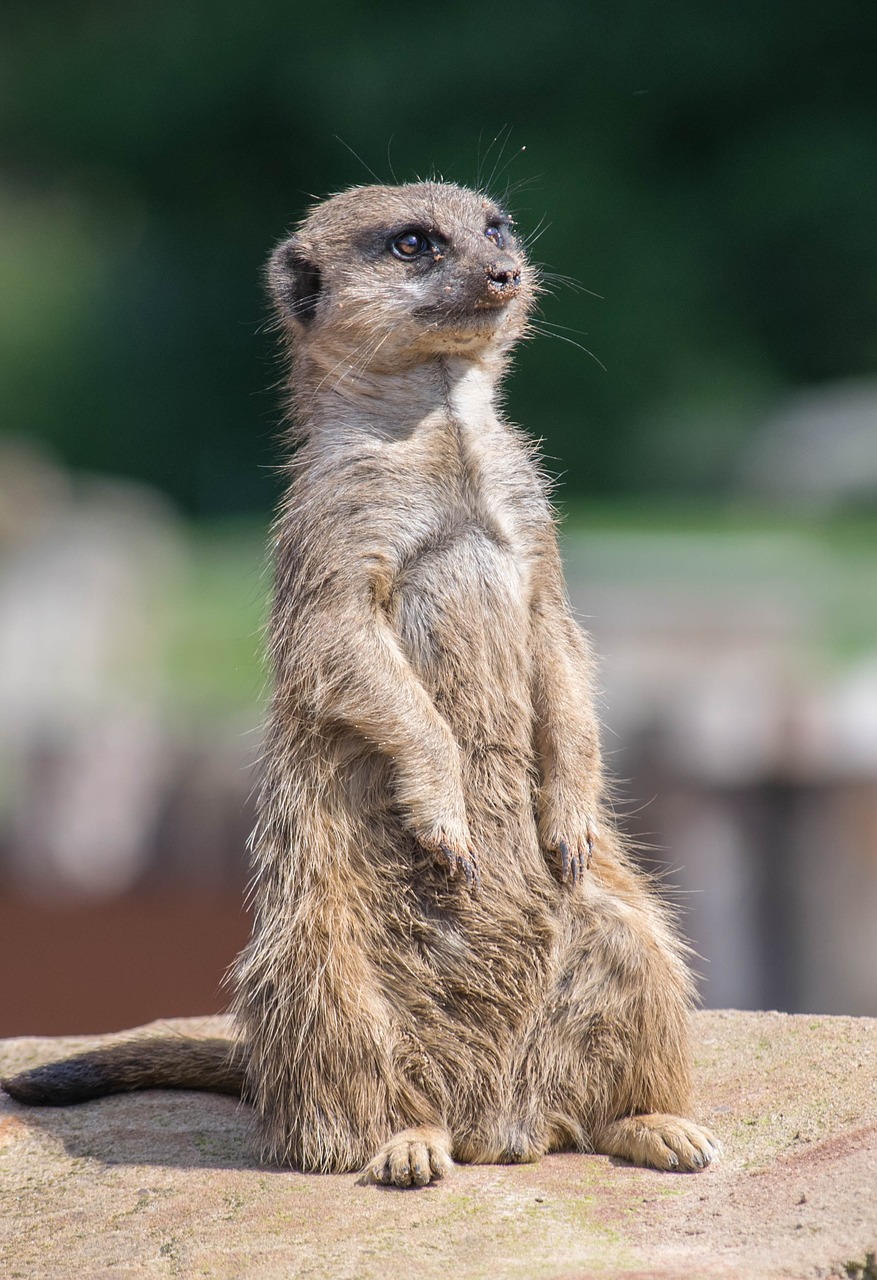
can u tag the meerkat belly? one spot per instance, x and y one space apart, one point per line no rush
461 611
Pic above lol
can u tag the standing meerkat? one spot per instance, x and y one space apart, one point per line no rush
453 956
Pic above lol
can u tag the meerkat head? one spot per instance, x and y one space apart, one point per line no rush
390 276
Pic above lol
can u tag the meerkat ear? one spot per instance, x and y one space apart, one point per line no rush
295 282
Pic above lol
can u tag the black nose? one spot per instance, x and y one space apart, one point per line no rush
503 278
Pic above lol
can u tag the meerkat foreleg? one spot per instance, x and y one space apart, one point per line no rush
370 685
567 739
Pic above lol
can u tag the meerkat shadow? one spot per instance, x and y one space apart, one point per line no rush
169 1128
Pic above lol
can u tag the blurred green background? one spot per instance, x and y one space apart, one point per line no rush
708 170
703 181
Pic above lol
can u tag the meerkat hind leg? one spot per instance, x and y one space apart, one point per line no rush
659 1141
412 1158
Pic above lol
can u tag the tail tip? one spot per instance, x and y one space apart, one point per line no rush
54 1085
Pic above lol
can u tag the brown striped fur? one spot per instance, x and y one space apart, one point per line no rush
453 955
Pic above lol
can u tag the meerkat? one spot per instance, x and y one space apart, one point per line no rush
454 957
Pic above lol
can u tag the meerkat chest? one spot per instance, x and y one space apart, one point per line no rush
468 567
462 601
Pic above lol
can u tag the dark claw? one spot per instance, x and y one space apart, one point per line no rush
450 858
564 864
460 862
590 852
471 872
573 865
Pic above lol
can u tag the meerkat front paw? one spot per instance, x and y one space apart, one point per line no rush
411 1158
571 846
660 1142
454 852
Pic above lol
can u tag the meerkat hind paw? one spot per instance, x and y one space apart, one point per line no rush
660 1142
411 1158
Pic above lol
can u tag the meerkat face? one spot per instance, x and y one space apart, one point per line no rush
392 275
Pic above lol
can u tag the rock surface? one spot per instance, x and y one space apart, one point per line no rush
163 1184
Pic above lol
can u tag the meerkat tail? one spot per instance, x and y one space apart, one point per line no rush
172 1062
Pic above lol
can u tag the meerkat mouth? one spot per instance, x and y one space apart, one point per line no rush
483 314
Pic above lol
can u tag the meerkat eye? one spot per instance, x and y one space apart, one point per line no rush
410 244
494 234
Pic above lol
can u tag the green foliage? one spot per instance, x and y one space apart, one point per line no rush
707 170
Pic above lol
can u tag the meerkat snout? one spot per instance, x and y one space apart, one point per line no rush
503 279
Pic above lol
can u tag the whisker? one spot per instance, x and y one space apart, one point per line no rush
505 134
482 160
365 166
389 161
535 325
554 325
523 184
570 282
478 161
514 156
362 357
329 373
360 365
538 231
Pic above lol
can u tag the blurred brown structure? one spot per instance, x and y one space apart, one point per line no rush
740 676
124 810
748 746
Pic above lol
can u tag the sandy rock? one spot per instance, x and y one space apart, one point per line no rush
163 1184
